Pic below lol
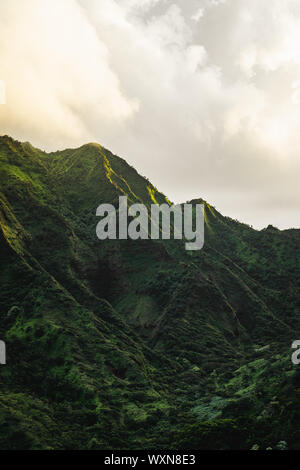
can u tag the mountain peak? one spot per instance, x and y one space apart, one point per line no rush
136 342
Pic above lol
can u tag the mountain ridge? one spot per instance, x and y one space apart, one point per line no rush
123 344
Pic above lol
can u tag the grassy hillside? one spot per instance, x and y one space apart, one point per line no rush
138 344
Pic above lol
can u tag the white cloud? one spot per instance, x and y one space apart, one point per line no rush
197 95
198 15
56 70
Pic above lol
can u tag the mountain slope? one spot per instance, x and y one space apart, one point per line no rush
124 344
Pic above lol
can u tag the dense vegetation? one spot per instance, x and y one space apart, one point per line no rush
138 344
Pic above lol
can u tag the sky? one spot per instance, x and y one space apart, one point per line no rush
200 96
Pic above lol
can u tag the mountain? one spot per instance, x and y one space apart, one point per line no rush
122 344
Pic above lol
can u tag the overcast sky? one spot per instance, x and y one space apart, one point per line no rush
200 96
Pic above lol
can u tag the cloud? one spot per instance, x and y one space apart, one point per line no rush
200 96
56 70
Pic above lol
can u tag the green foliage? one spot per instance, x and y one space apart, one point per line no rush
221 434
129 345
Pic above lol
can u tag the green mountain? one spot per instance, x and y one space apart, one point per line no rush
123 344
